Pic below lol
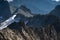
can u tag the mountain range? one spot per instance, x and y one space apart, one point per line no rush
28 26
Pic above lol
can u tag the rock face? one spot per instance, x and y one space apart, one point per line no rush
22 10
4 10
20 31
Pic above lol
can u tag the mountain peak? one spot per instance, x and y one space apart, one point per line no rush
23 7
56 11
24 11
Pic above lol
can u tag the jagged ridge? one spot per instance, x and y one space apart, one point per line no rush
20 31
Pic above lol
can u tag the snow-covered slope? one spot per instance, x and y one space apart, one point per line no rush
7 22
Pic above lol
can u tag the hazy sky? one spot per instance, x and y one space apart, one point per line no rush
38 6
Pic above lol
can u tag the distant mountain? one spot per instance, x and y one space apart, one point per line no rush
27 26
56 11
36 20
23 10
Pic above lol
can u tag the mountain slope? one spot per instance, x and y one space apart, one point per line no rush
56 11
43 20
20 31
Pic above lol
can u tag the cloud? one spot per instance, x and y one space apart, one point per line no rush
9 0
56 0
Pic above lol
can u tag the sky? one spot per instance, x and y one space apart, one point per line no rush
37 6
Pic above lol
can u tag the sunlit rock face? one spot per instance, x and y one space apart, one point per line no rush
4 10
